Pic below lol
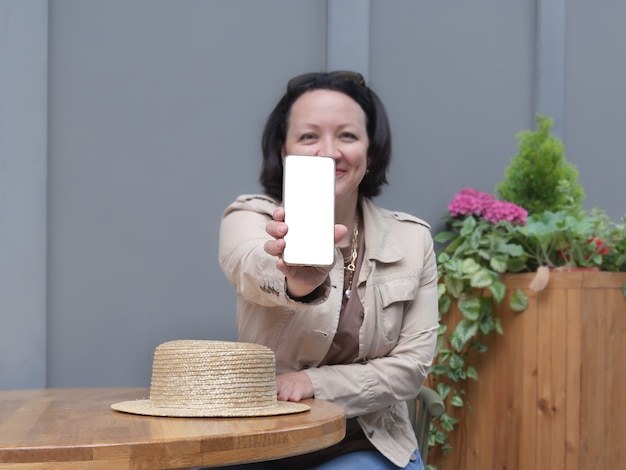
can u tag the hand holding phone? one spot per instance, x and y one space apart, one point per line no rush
309 202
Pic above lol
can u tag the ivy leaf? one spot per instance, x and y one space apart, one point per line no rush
442 257
456 362
487 325
498 265
444 304
470 309
519 301
511 249
471 373
447 421
499 326
444 354
441 289
498 289
469 266
481 279
469 224
443 390
446 424
456 401
515 265
444 237
439 369
481 348
464 332
454 286
440 437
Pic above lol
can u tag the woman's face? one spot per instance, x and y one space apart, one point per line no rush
330 123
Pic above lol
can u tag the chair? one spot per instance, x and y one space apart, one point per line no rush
426 406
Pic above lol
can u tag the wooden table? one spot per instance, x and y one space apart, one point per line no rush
76 429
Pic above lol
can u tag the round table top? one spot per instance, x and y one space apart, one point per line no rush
77 429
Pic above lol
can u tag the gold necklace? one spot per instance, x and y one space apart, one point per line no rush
352 265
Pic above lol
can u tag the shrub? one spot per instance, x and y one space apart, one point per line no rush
539 178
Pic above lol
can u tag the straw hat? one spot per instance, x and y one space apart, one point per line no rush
212 378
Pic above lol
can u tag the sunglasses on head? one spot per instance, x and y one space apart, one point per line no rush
308 78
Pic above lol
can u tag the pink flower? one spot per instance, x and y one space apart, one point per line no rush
472 202
468 201
498 211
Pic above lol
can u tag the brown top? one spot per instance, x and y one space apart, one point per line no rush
76 429
345 346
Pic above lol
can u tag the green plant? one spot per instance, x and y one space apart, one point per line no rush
485 238
614 237
563 239
539 178
479 247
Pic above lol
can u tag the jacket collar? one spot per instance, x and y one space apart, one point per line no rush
380 243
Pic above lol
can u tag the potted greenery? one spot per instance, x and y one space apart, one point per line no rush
537 225
539 177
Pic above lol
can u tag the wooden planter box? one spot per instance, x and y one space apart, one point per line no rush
551 392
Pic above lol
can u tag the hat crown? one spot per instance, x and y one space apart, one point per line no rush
213 374
204 378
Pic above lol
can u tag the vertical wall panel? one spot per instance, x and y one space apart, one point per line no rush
550 80
348 35
23 113
595 97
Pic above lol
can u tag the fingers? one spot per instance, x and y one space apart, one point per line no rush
288 393
279 214
275 247
284 268
277 229
294 386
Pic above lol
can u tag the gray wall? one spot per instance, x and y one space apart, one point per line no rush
155 110
595 91
23 139
154 129
458 81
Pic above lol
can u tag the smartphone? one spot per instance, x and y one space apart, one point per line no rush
309 202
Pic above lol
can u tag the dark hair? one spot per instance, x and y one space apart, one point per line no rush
378 131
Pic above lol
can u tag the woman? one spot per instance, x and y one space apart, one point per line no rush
360 333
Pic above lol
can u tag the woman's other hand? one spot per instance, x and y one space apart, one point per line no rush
301 280
294 386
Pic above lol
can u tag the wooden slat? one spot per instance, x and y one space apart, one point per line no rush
489 393
509 378
573 324
473 414
592 384
528 356
544 371
501 390
558 318
616 380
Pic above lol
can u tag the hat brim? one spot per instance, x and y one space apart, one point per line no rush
147 408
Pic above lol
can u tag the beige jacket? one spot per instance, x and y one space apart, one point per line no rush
397 286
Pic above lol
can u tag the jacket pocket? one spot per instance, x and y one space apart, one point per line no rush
393 295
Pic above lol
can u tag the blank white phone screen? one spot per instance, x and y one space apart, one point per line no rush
309 202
